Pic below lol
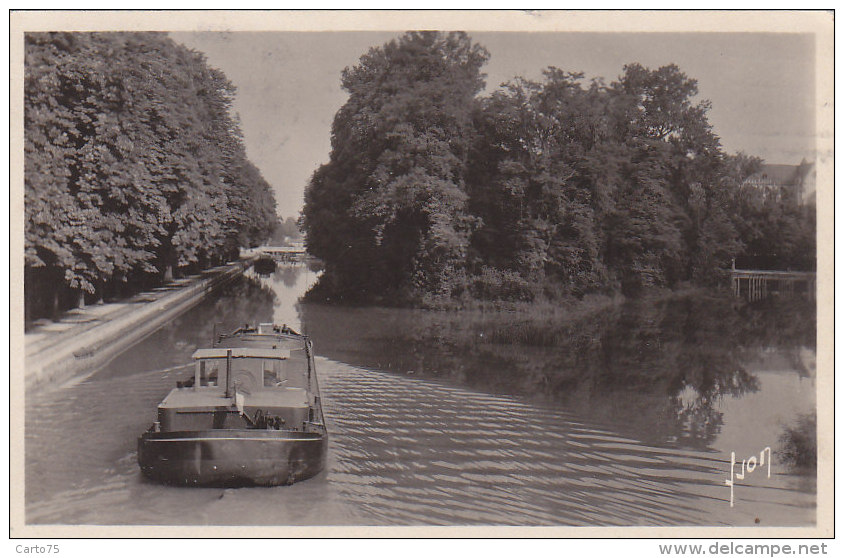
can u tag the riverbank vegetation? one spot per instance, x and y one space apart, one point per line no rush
541 190
798 443
135 169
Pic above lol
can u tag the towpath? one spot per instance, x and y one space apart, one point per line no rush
85 338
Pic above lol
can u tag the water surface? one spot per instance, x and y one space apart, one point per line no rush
626 416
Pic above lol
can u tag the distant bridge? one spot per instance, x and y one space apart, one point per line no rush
284 253
756 284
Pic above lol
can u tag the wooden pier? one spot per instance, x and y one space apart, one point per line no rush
756 284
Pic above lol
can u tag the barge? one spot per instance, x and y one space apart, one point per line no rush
250 415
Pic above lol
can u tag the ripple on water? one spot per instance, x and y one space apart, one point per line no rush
401 451
539 469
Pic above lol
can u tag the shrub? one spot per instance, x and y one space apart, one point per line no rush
799 443
499 284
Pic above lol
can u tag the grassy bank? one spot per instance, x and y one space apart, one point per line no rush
547 322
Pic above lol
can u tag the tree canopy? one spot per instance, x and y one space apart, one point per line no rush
557 187
134 165
387 213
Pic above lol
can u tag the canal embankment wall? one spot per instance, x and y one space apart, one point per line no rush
90 337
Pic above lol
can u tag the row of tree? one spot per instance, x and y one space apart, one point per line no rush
545 188
135 168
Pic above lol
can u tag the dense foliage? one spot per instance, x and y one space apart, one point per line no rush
134 166
548 188
388 213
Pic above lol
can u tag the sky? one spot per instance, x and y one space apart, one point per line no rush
761 85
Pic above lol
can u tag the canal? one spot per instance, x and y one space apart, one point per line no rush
623 416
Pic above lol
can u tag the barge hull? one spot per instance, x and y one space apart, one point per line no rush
231 457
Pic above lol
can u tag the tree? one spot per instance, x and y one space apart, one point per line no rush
134 164
387 213
585 186
88 215
547 188
527 184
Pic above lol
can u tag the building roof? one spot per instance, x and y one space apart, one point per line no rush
778 174
781 175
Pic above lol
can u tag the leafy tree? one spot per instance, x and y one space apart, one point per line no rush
643 241
526 183
133 163
543 188
677 159
85 196
775 232
585 183
387 213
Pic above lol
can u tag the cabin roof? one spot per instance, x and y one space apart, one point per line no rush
261 340
214 397
242 352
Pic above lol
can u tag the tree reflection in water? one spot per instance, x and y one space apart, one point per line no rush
655 367
288 274
244 301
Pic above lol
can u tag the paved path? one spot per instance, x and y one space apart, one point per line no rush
86 337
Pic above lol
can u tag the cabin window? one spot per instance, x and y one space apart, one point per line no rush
209 372
272 373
